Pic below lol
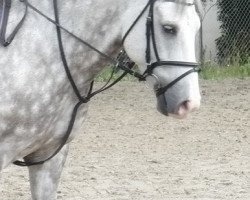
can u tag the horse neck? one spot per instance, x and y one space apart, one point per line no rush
95 21
98 23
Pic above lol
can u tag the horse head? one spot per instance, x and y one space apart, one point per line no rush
162 43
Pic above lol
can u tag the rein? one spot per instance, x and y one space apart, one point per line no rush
118 63
5 6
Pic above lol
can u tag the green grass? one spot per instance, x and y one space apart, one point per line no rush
106 72
209 72
217 72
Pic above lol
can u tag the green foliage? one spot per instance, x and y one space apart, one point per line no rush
215 72
234 44
211 72
106 73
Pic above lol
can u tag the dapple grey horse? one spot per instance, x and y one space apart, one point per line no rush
36 98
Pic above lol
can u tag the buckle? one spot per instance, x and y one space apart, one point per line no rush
197 69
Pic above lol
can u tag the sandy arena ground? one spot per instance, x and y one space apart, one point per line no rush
128 151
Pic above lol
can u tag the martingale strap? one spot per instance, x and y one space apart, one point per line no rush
5 6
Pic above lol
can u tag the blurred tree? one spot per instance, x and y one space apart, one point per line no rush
234 43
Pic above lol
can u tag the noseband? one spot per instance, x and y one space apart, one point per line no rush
150 39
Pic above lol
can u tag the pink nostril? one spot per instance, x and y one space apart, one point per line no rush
187 107
191 105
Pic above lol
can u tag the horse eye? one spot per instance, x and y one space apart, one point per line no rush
169 29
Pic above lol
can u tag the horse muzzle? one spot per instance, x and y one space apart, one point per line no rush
170 100
180 111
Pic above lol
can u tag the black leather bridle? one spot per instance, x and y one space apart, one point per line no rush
125 66
151 42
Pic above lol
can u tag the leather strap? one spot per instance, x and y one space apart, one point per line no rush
169 63
4 15
162 90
